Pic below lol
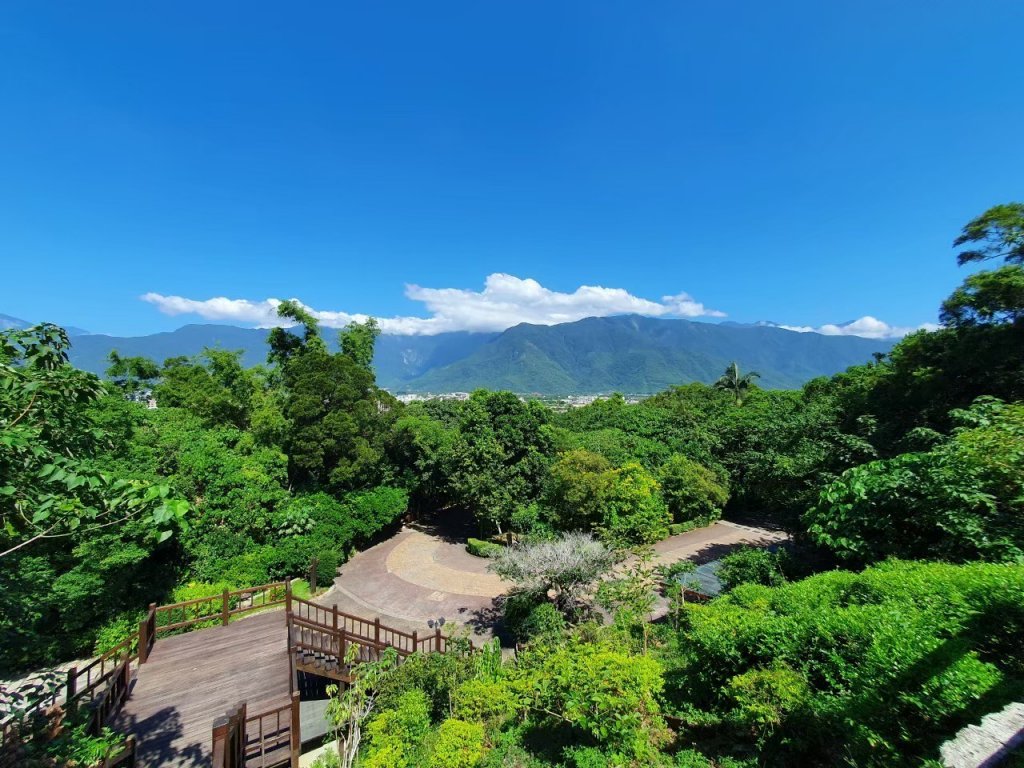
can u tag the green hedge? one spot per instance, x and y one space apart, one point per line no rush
482 548
675 529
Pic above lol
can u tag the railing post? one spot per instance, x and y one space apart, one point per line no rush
220 738
437 639
334 611
288 595
72 686
226 608
296 731
312 574
415 642
376 630
146 626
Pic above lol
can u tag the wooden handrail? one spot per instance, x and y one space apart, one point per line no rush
270 739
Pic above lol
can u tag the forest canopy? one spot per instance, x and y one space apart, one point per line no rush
888 623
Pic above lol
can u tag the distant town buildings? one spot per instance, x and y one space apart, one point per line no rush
559 403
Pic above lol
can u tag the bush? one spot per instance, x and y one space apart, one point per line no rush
692 491
566 566
608 694
484 701
458 745
117 631
543 622
752 565
876 668
327 759
691 758
394 736
482 548
675 529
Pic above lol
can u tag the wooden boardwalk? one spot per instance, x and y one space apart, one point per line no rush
191 679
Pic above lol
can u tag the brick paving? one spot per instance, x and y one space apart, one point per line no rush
418 575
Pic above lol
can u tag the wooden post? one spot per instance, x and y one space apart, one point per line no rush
415 642
220 739
143 638
296 731
72 687
312 575
437 638
226 608
334 612
376 630
288 595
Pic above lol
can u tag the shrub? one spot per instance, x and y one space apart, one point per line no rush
482 548
607 693
675 529
692 491
882 666
327 759
458 745
543 622
394 736
752 565
691 758
116 631
763 697
484 701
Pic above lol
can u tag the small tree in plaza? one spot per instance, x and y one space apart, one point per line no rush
564 566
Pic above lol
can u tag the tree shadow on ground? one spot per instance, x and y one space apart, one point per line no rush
157 734
488 620
452 526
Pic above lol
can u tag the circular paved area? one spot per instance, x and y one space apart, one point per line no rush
418 575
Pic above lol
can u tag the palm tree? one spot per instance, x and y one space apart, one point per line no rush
732 381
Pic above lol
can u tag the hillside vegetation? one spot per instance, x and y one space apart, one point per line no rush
893 620
598 355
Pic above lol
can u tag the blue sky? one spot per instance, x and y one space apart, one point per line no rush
802 162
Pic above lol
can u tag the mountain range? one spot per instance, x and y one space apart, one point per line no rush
628 353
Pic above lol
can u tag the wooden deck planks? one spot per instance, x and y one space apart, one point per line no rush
191 679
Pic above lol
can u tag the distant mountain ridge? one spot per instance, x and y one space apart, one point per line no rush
627 353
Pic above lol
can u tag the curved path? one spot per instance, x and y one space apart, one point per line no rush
418 575
414 576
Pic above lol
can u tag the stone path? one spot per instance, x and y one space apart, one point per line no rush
989 743
418 575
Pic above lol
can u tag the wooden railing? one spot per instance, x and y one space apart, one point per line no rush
269 739
104 683
306 615
216 608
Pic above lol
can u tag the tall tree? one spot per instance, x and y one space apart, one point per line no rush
732 381
998 233
357 341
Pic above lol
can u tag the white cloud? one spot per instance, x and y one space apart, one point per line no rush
869 327
505 301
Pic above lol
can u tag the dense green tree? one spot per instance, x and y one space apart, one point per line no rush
131 374
998 233
357 342
215 387
334 429
962 500
988 297
691 490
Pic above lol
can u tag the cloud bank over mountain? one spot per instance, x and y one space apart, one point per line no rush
867 327
505 301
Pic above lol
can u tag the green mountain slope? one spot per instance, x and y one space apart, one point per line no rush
628 354
639 354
